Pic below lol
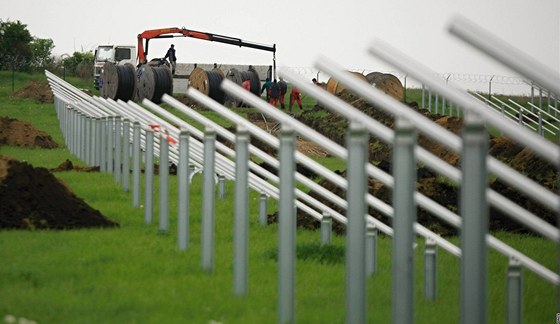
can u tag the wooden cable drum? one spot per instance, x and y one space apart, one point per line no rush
208 82
154 82
387 83
334 87
119 81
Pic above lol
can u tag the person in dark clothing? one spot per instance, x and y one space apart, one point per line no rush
266 87
283 88
274 93
172 58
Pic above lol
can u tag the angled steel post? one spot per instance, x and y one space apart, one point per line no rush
241 213
326 229
287 227
163 184
474 212
263 209
371 250
404 173
356 141
126 155
208 200
430 270
148 179
118 149
184 191
136 164
514 304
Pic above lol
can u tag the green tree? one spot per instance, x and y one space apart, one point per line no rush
15 49
42 52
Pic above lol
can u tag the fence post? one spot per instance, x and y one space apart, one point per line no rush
437 103
221 186
404 173
287 227
540 129
83 139
514 305
118 149
263 209
356 141
163 184
430 270
148 178
126 155
474 212
208 200
423 96
184 191
326 229
241 214
520 117
371 249
429 100
99 138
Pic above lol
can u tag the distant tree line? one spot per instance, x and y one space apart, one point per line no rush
21 51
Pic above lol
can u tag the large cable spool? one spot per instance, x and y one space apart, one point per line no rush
119 81
387 83
154 82
334 87
208 82
238 77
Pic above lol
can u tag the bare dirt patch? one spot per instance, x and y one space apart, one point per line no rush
19 133
39 91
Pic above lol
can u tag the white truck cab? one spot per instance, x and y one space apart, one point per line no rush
119 54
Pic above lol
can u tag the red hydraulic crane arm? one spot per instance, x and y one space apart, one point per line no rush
183 32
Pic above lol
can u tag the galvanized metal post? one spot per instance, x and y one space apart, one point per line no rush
118 149
287 227
184 191
89 141
103 160
514 305
437 103
136 164
163 184
126 155
356 142
326 229
110 143
474 212
241 213
221 186
99 138
208 200
371 250
430 270
148 179
404 173
520 117
263 209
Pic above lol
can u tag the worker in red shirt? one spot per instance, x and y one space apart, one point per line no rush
246 85
295 96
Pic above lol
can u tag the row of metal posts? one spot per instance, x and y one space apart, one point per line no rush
437 108
355 287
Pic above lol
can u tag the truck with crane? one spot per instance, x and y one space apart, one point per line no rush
151 79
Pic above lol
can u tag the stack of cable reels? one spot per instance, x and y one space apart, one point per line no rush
387 83
208 82
118 81
154 82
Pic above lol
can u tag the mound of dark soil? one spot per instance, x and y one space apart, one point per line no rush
32 198
69 166
18 133
36 90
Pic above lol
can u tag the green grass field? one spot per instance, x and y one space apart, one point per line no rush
134 274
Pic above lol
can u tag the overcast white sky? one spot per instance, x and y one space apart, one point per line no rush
301 30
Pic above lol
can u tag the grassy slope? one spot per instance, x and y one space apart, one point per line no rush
136 275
